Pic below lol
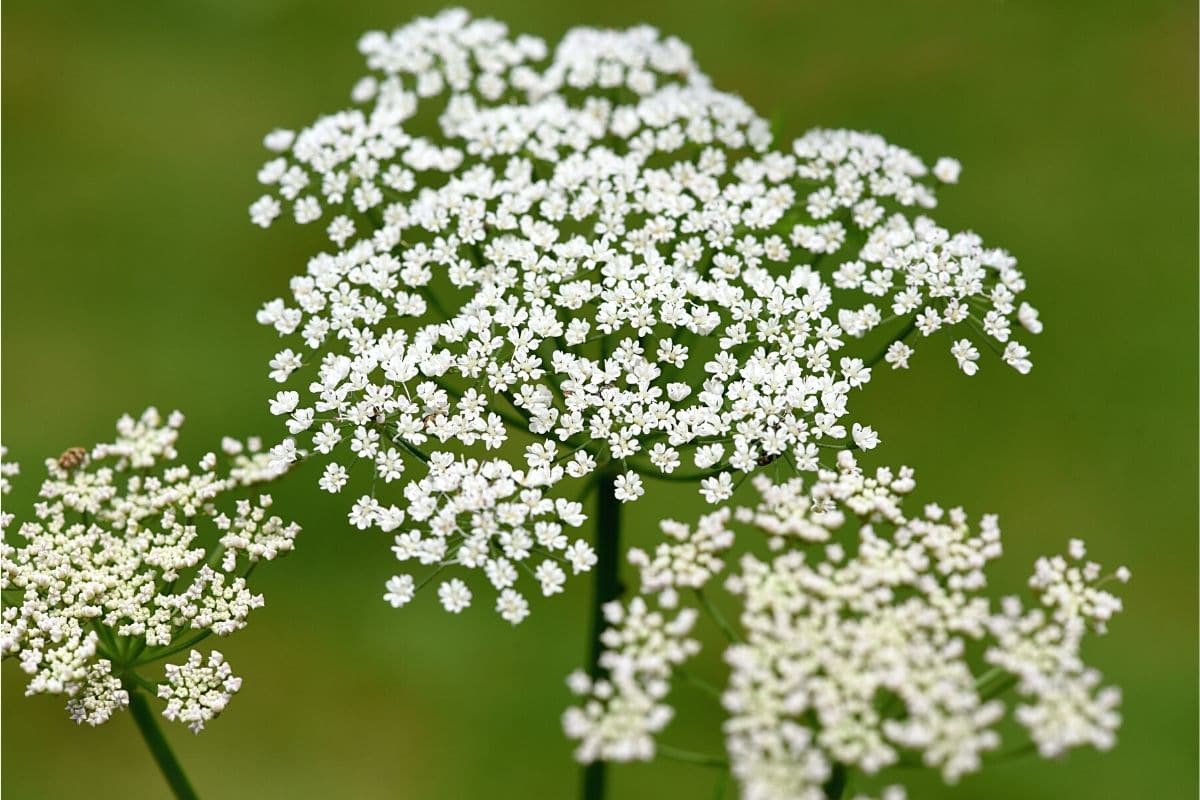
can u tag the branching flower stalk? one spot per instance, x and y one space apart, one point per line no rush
132 560
559 271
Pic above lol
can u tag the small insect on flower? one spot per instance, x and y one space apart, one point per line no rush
72 457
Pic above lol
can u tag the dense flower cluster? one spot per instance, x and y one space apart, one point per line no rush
195 691
594 250
134 556
866 641
625 708
687 559
496 519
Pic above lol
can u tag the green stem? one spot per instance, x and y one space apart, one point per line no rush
606 587
998 687
717 617
722 785
416 451
1019 752
703 759
698 683
158 654
835 787
159 748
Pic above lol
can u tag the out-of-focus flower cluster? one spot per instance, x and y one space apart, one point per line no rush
131 557
866 641
590 250
625 706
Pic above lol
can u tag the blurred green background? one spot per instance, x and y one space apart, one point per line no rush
131 139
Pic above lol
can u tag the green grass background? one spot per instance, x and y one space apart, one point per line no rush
131 138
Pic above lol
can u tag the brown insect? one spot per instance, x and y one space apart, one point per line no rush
72 458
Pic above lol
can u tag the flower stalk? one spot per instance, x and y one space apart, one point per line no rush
157 743
605 588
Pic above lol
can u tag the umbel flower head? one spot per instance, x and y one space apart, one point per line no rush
591 253
865 642
131 558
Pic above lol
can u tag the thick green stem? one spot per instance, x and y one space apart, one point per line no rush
147 725
836 785
606 587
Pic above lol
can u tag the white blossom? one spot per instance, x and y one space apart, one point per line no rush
591 250
621 713
132 552
400 590
455 595
197 691
99 694
947 170
861 644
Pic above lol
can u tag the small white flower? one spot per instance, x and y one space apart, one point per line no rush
364 90
579 682
264 210
334 478
400 590
454 595
628 487
512 607
283 365
302 419
966 355
284 402
279 140
363 514
898 354
581 556
717 488
947 170
1017 357
551 577
1027 315
864 436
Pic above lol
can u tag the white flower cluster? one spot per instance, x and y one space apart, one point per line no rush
197 692
871 645
130 559
624 710
594 249
8 470
1040 646
495 519
688 559
100 693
